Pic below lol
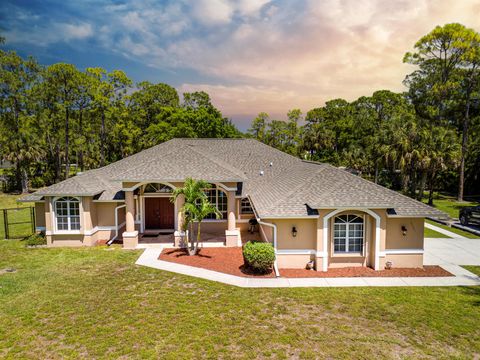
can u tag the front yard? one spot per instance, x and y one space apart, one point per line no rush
95 303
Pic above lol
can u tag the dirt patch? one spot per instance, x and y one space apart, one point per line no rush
226 260
230 261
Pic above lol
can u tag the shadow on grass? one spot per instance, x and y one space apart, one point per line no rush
473 291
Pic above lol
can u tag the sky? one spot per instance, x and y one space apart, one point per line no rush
249 55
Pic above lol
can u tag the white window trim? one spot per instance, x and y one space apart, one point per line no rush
56 231
241 206
347 237
217 189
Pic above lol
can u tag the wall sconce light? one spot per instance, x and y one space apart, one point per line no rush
404 230
294 231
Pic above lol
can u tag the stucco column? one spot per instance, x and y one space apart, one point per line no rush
49 221
231 210
130 236
179 233
87 226
232 234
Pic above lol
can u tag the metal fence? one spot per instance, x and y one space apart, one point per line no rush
17 223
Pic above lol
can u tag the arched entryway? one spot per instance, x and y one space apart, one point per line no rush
157 207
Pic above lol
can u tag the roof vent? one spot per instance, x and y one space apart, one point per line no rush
261 173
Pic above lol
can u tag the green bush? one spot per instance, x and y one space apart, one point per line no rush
35 240
259 256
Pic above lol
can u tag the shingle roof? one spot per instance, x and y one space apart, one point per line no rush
279 185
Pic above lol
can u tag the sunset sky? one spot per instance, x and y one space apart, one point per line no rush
250 56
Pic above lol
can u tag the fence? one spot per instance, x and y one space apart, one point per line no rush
17 223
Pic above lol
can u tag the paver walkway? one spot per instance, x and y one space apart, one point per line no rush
462 277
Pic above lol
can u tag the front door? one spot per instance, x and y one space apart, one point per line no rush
159 213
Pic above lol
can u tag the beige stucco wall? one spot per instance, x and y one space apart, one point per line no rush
293 261
40 214
106 213
306 233
412 240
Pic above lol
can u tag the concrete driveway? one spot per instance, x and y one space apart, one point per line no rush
452 251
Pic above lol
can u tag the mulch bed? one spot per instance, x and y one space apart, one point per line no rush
226 260
426 271
230 261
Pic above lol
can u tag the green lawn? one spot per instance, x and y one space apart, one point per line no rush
454 230
473 268
10 201
95 303
449 204
429 233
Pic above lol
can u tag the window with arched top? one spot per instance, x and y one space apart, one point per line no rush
157 188
67 213
348 234
218 198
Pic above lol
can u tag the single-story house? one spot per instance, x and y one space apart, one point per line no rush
307 210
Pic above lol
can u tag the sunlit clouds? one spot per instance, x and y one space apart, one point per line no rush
250 56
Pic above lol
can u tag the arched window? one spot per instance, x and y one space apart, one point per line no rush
218 198
157 188
67 213
246 207
348 234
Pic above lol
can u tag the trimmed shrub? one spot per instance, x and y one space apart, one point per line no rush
259 256
35 240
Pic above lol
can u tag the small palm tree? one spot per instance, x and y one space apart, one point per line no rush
195 209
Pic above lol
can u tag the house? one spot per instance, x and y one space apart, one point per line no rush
307 210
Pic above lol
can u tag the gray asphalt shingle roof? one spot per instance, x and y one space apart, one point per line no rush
288 185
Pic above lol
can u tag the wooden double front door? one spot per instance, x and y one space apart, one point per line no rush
159 213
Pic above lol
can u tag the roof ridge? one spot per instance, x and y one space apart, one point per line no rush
219 162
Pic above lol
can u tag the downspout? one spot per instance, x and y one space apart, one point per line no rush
116 224
275 265
274 227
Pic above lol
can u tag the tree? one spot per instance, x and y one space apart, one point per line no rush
195 209
258 127
17 131
449 60
61 82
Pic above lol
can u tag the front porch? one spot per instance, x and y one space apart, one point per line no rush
153 217
208 239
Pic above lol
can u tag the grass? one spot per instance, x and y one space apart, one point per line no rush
473 268
17 231
454 230
429 233
95 303
449 204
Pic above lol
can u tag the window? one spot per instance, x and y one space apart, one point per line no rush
157 188
348 234
218 198
67 214
246 207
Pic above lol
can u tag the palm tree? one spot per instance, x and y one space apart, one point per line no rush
195 209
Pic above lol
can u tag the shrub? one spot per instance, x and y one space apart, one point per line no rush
35 240
259 256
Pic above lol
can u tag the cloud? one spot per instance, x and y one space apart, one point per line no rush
260 55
